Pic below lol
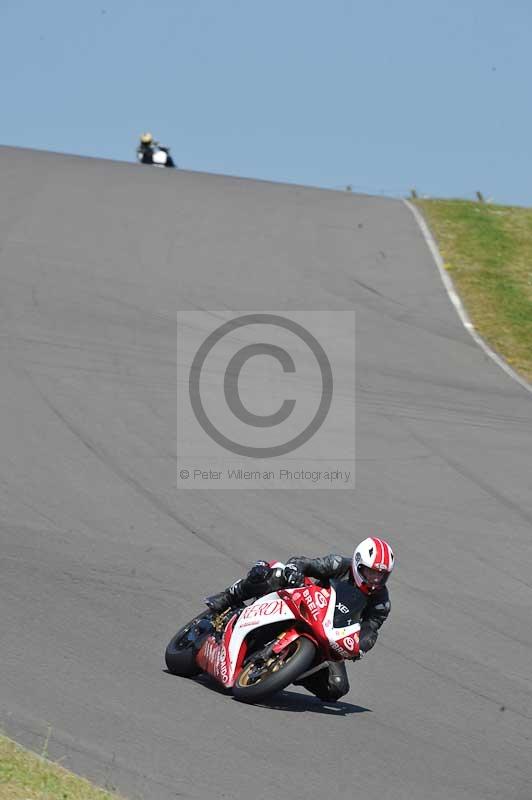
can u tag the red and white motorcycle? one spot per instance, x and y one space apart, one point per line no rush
280 638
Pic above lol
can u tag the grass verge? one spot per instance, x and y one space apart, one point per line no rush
26 776
487 250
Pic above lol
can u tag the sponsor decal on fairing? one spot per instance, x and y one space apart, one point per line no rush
264 611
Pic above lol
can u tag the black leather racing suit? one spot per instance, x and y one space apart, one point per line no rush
329 683
145 152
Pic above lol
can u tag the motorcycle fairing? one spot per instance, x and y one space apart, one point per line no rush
223 658
159 158
344 642
264 611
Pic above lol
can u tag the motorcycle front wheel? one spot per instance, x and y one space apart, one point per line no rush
180 655
259 678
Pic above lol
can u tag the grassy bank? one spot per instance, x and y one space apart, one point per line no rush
25 776
487 250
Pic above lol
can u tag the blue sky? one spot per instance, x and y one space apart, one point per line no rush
383 95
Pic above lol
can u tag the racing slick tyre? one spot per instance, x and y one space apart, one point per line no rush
180 655
258 680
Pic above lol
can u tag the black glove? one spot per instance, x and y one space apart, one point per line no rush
368 637
293 576
259 572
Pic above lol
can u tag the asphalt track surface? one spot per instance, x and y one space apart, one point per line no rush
101 557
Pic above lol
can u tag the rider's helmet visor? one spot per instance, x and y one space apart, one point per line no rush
374 577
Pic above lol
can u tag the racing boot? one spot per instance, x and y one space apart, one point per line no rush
255 584
329 683
229 598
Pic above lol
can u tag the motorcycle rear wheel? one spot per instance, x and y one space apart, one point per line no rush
278 673
180 654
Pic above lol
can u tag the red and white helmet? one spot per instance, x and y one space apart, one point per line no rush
373 562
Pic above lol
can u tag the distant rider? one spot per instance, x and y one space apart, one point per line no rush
148 146
366 573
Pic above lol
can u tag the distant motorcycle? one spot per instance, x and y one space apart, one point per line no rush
156 156
281 638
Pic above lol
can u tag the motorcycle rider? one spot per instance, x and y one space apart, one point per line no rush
148 146
366 573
